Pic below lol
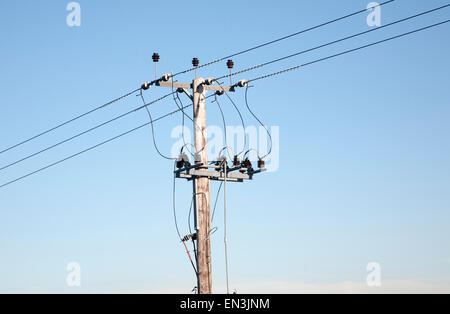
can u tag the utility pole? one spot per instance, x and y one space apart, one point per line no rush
201 190
200 172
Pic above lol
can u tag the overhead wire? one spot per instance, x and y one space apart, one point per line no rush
282 38
83 133
333 42
262 124
90 148
153 131
216 100
346 52
239 113
69 121
252 80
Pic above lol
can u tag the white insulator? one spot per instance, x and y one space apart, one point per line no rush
242 83
166 77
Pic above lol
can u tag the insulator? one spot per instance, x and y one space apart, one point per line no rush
155 57
242 83
166 77
195 62
247 163
261 164
220 92
180 164
220 162
230 64
209 81
189 237
236 161
182 161
145 85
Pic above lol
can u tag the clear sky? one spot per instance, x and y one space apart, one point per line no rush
364 171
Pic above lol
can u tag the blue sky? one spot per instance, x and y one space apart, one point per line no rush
364 157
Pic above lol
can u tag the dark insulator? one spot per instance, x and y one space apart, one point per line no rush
230 64
261 164
195 62
247 163
180 164
236 161
155 57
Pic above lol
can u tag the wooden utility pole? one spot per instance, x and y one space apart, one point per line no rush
199 173
201 190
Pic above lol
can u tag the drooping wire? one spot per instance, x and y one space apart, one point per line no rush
174 208
69 121
190 258
153 131
90 148
262 124
215 203
180 106
183 114
225 218
240 116
282 38
216 100
84 132
347 52
331 43
176 223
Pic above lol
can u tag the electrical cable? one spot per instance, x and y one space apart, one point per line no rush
282 38
69 121
83 133
332 42
153 131
190 258
225 166
174 208
90 148
346 52
215 203
252 80
262 124
216 100
239 113
183 114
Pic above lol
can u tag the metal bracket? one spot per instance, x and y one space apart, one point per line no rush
200 171
189 86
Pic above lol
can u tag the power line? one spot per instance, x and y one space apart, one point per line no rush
346 52
83 133
232 74
91 148
280 39
332 42
186 71
69 121
153 128
252 80
262 124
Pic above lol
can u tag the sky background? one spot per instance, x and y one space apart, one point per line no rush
364 171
